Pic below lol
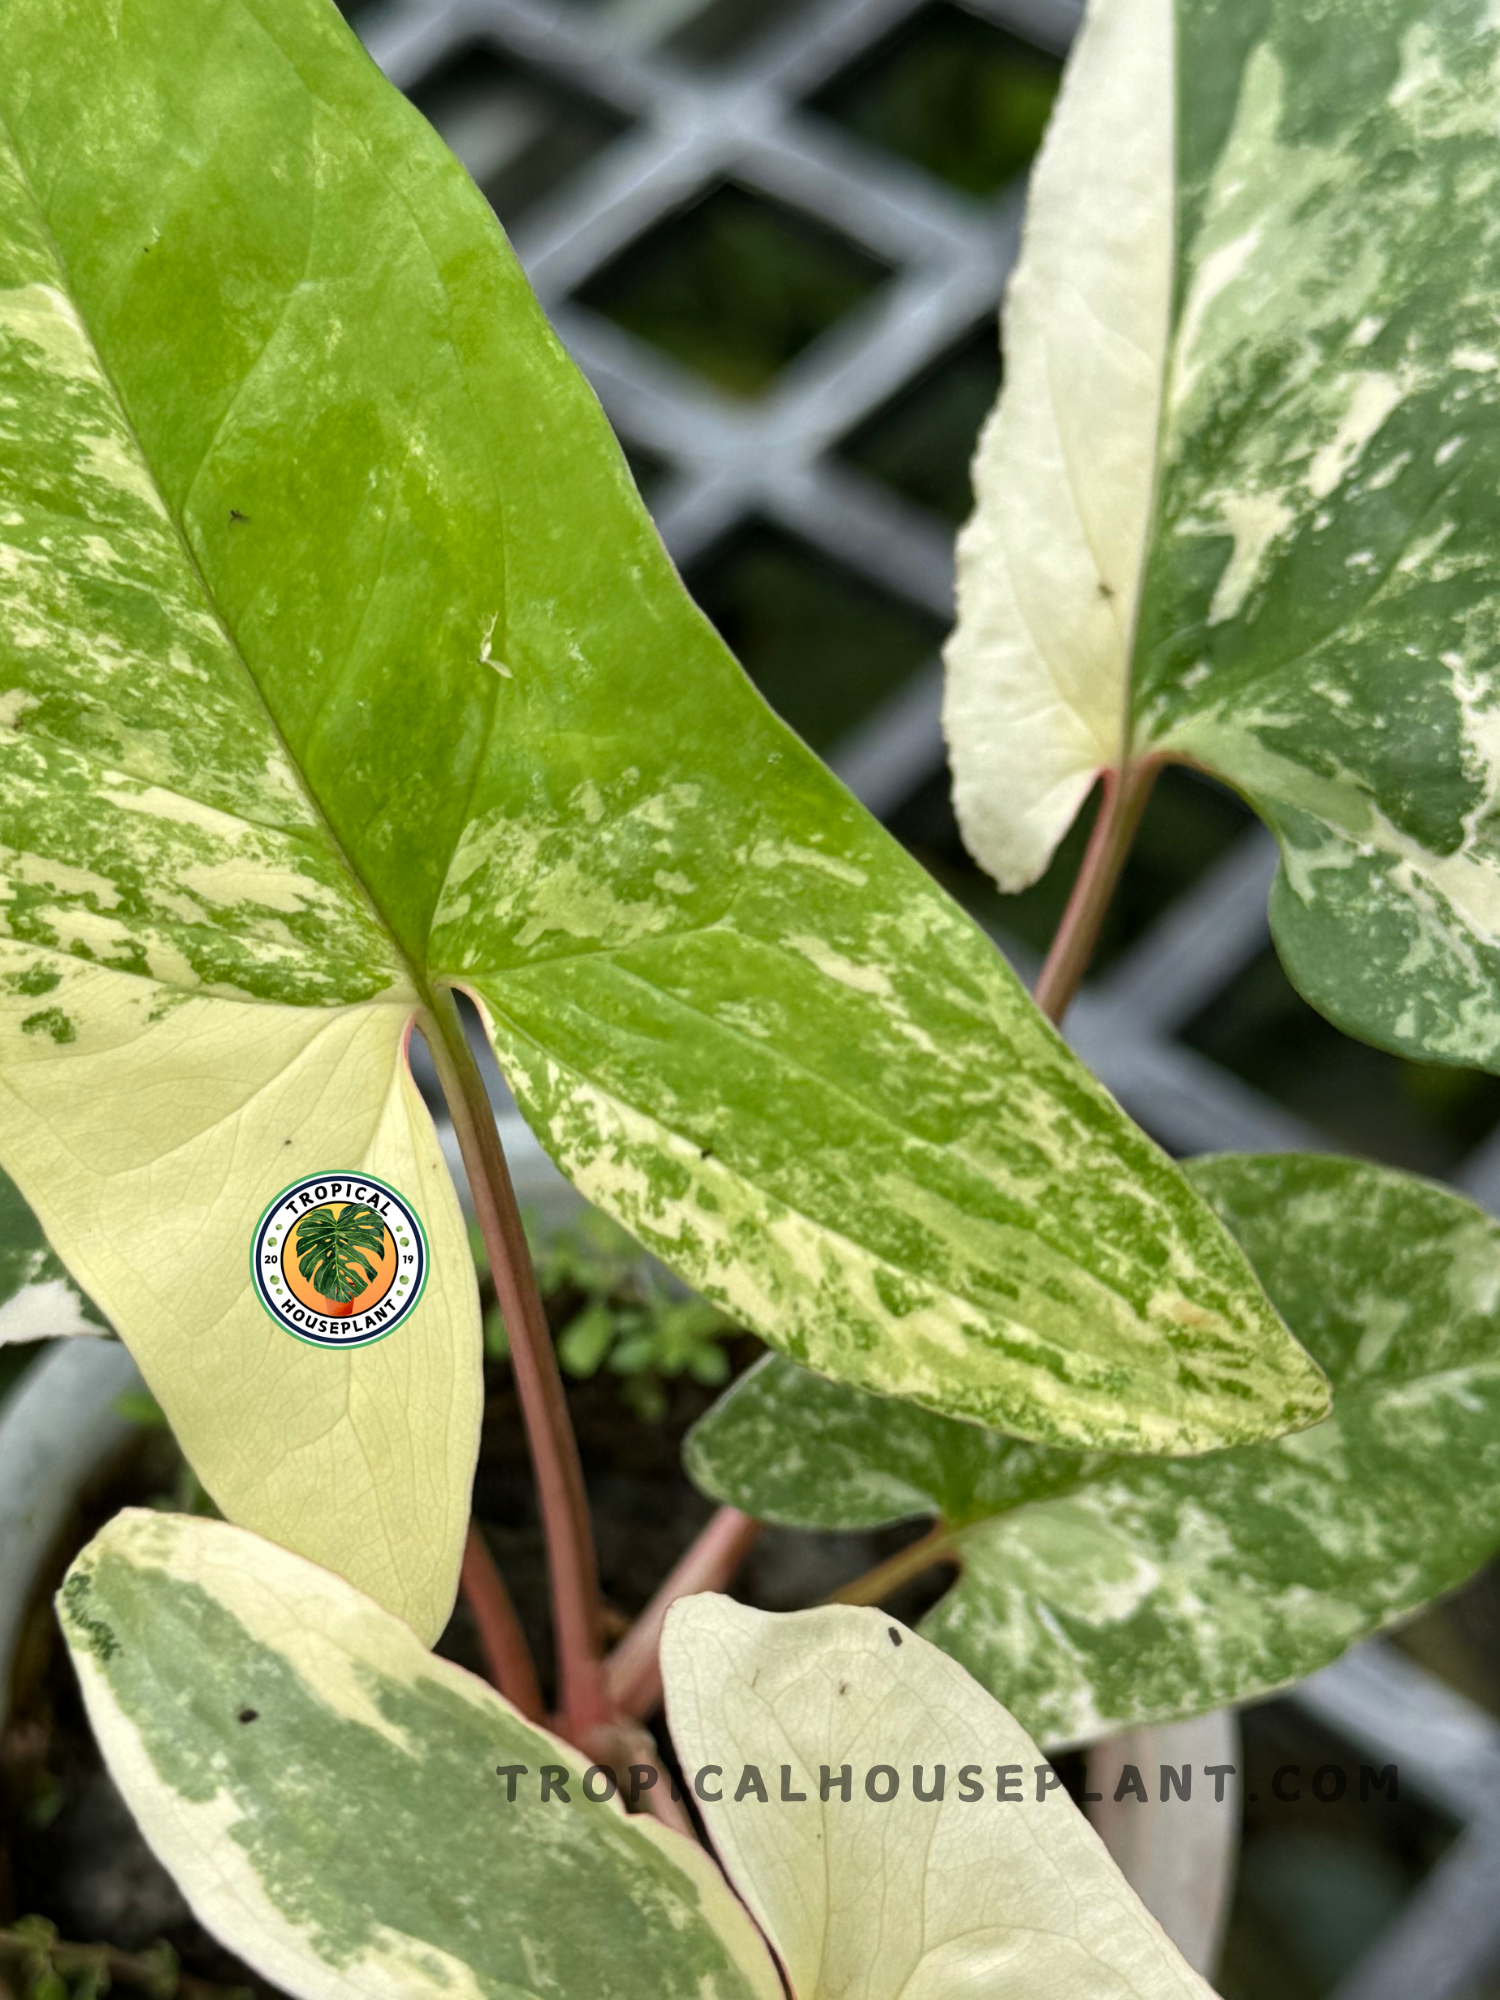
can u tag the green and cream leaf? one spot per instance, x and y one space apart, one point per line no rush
325 1793
340 665
38 1299
1237 503
1099 1591
900 1899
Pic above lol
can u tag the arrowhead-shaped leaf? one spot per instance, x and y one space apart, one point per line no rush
1097 1591
324 1792
885 1894
1237 503
339 664
37 1297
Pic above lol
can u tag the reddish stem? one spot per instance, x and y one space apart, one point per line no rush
1123 801
582 1702
633 1672
661 1805
507 1657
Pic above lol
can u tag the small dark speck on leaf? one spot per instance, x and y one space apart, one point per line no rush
843 1687
1106 590
895 1635
236 516
286 1142
248 1715
706 1153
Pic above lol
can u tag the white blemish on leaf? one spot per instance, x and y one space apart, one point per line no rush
1212 279
779 853
1256 521
1373 398
574 900
486 657
43 1311
229 884
847 971
44 872
587 802
14 703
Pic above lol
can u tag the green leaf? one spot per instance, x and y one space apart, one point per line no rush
331 1247
324 1792
37 1297
340 665
885 1895
1099 1591
586 1339
1237 502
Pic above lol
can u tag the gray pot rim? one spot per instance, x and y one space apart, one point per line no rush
56 1427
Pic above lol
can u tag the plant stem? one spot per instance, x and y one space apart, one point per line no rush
633 1671
671 1812
937 1546
1123 801
549 1432
507 1657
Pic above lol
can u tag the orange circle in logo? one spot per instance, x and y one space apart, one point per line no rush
384 1266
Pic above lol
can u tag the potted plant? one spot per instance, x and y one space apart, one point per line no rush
344 674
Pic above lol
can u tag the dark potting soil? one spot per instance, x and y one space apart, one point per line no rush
69 1849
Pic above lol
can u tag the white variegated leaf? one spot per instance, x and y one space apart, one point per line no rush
1237 506
1097 1592
897 1898
38 1299
325 1793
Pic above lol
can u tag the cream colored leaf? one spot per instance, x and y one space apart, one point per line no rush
373 1448
906 1899
1049 568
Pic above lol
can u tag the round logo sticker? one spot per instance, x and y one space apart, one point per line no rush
339 1259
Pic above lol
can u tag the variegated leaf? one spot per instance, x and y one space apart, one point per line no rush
1237 502
1102 1591
38 1299
329 1797
884 1894
340 665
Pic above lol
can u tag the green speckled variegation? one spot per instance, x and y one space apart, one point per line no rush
339 664
1099 1591
1238 502
325 1792
37 1297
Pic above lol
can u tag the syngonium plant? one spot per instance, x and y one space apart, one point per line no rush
343 669
340 669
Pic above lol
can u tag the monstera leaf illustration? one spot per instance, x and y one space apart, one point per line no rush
330 1249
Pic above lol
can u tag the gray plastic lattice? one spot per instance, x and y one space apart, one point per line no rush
682 132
